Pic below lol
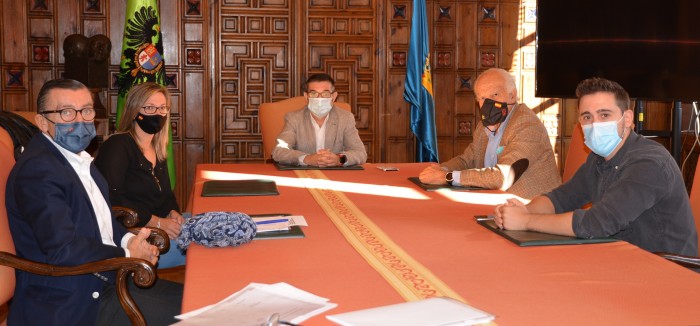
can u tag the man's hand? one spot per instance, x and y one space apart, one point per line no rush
323 158
433 175
513 215
139 248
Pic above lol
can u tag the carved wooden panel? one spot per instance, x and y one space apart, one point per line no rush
342 42
224 58
255 65
267 48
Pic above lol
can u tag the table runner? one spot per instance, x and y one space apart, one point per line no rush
406 275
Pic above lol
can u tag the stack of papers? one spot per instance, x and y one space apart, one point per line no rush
256 303
433 311
278 223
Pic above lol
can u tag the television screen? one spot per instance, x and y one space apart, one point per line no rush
652 48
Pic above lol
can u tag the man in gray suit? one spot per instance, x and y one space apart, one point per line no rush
320 134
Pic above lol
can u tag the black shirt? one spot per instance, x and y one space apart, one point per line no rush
133 183
637 196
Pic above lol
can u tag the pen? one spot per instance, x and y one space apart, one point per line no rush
273 221
483 217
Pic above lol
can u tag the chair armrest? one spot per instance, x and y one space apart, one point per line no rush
158 238
685 261
126 216
129 219
143 275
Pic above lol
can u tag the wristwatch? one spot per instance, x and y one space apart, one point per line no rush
448 178
342 158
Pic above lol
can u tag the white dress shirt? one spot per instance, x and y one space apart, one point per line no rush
81 164
320 137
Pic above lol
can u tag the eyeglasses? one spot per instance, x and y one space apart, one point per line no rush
324 94
69 114
149 109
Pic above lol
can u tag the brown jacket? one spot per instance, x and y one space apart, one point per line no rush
524 137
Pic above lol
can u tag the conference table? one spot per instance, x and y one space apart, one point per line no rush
375 238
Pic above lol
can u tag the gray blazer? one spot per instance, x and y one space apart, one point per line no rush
300 137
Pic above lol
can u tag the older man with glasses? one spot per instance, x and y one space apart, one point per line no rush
59 213
319 134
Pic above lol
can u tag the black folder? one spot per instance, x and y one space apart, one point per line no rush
283 167
428 187
294 231
225 188
531 238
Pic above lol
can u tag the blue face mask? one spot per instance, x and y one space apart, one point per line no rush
74 136
602 137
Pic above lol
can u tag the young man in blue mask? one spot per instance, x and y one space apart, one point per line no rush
59 213
319 134
635 186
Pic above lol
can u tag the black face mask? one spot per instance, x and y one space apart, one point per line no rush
151 124
493 112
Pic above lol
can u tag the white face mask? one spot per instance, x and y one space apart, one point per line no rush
320 106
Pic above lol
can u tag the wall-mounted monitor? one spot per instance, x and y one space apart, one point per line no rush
652 48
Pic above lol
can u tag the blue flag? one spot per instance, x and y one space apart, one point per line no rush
419 87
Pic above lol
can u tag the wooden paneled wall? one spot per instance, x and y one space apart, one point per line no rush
224 58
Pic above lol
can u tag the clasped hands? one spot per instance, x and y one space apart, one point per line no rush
322 158
170 224
513 215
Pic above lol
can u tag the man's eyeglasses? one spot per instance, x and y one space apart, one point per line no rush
149 109
324 94
69 114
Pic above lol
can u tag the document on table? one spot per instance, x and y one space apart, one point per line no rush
255 303
278 223
429 312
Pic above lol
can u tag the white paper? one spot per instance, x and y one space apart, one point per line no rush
255 303
279 223
429 312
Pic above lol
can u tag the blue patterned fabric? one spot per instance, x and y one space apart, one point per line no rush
217 229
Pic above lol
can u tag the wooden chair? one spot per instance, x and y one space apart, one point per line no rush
576 154
129 218
688 261
143 272
271 116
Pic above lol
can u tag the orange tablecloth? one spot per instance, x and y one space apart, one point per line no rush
613 283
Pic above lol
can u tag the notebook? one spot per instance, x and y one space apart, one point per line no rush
428 187
254 187
283 167
531 238
294 231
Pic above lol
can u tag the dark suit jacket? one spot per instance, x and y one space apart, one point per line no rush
52 221
300 136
